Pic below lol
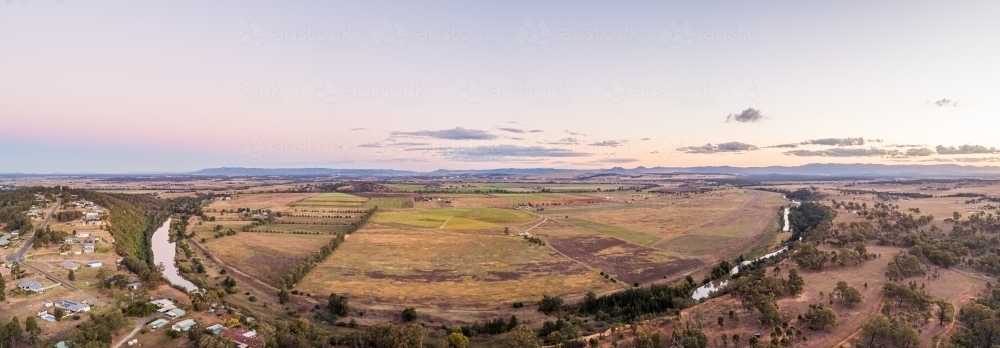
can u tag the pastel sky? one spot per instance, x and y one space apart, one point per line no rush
170 86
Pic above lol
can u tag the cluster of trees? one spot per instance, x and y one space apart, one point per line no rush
490 327
534 240
559 331
810 221
907 302
819 317
802 194
846 294
46 236
631 304
904 266
980 321
989 263
881 331
808 256
68 215
13 204
11 333
412 335
98 332
337 305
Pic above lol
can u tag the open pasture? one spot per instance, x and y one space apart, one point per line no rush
406 187
273 201
331 200
301 228
551 198
670 216
266 256
389 203
447 268
454 218
617 232
627 261
729 233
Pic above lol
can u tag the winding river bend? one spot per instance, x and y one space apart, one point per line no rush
163 254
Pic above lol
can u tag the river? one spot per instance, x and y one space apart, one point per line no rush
787 227
163 254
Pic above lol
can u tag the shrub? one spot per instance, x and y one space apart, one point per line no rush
409 314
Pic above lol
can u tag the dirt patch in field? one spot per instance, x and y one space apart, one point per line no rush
626 261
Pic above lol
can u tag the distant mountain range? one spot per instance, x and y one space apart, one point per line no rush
818 169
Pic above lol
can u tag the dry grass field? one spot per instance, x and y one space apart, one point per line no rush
273 201
447 268
269 250
265 256
461 258
388 203
331 200
454 218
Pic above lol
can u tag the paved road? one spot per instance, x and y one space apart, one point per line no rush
19 257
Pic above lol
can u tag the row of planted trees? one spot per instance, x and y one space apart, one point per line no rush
300 270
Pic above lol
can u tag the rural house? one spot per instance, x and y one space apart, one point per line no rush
184 325
31 286
72 307
70 265
243 337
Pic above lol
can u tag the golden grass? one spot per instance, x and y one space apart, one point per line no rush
441 268
265 256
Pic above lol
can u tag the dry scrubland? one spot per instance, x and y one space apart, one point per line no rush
957 286
951 286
